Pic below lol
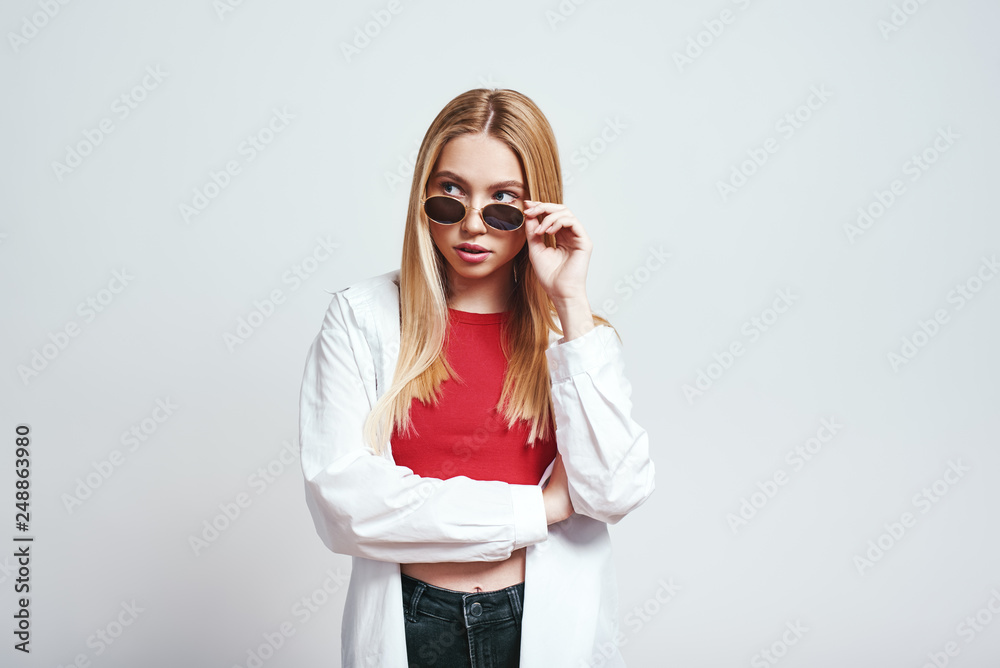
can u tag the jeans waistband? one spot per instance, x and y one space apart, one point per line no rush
469 609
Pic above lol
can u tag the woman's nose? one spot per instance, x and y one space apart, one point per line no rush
474 222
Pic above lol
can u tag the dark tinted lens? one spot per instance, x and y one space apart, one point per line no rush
444 210
503 216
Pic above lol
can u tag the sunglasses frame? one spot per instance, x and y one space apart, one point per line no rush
423 207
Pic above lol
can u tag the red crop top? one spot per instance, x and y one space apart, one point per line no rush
464 435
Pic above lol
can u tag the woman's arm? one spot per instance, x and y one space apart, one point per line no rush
558 506
364 505
605 453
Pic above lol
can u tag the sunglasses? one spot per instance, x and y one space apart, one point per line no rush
448 211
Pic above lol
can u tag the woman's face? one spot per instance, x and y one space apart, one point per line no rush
478 170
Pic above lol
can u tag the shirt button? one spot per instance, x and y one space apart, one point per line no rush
476 609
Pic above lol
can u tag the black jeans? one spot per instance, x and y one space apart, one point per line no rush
454 629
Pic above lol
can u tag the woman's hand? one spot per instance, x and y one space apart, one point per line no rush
558 506
562 270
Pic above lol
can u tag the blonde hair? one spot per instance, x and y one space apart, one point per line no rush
423 284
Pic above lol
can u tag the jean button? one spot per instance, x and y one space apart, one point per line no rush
476 609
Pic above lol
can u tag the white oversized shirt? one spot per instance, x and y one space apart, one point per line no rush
381 514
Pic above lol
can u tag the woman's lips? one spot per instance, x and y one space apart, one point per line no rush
472 257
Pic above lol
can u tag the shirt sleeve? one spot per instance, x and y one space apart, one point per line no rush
363 504
605 453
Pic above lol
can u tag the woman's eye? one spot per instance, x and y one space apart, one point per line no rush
451 189
505 197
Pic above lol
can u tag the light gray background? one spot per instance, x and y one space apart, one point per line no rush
670 134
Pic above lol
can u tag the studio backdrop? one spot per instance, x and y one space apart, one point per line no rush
793 211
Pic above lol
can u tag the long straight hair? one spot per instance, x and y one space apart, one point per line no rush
421 366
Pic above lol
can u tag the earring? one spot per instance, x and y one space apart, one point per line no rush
515 273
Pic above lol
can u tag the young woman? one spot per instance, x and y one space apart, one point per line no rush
465 424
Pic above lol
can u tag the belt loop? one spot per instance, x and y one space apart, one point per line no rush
411 614
515 604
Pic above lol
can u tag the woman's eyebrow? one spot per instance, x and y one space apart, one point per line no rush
462 182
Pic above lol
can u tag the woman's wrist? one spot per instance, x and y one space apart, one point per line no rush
557 504
575 316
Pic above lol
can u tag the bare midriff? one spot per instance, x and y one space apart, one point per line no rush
471 576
